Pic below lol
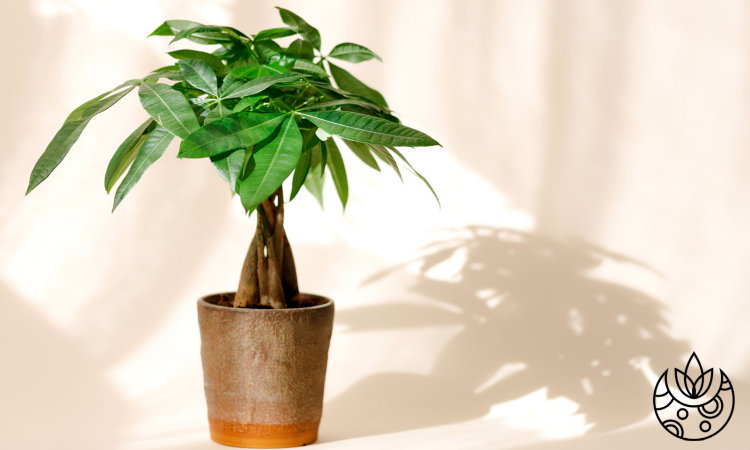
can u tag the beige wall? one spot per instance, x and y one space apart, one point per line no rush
609 139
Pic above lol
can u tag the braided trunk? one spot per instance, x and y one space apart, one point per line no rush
269 276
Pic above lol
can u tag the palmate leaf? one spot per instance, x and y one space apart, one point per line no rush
368 129
199 74
338 171
353 53
236 90
169 108
275 33
300 172
151 150
124 155
310 139
308 67
232 52
267 48
247 102
172 27
71 130
238 130
271 162
366 105
348 82
315 179
370 112
328 90
212 60
256 71
217 113
306 30
78 112
386 157
419 175
172 74
175 27
283 59
363 152
229 166
213 33
301 48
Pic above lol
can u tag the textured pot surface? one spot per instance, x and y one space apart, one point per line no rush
264 372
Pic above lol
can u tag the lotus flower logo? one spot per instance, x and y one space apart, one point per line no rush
690 405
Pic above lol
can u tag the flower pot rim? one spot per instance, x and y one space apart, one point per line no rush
202 302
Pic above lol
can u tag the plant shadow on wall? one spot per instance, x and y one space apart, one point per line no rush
532 318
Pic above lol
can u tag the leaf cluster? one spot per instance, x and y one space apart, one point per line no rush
259 111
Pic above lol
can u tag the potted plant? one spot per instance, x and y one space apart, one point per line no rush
261 113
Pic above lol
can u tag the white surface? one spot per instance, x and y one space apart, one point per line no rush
579 126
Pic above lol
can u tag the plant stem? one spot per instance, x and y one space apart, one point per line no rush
275 293
269 275
247 292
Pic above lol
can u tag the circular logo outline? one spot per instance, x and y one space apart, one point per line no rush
675 425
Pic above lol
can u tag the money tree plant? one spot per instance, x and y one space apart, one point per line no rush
260 113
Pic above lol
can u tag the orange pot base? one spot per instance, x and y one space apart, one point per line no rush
262 436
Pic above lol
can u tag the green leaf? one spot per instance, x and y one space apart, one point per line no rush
386 156
231 52
236 90
306 30
106 102
307 66
348 82
371 112
310 139
175 27
217 113
124 155
169 68
213 33
212 60
169 108
271 162
267 48
199 74
283 59
300 172
151 150
78 112
328 89
315 176
368 129
229 165
257 71
353 53
247 102
171 27
237 34
275 33
249 60
238 130
414 171
370 106
363 152
174 75
71 130
301 48
323 156
338 171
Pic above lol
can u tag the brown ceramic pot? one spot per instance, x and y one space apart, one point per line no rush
264 371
